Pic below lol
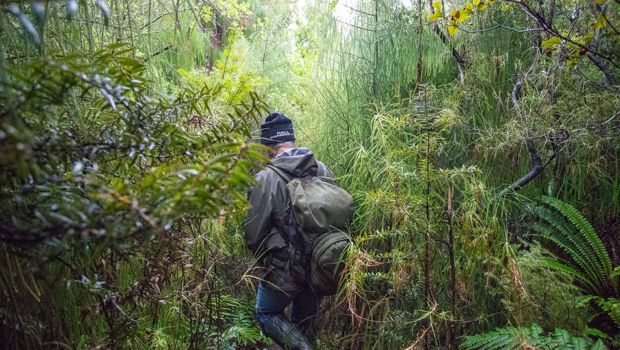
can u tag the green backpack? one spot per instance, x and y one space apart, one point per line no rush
321 212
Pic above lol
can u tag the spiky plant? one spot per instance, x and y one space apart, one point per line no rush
586 259
532 337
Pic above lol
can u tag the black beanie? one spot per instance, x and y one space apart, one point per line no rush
277 128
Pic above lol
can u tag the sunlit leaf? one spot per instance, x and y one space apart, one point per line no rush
437 6
455 15
586 39
551 42
465 14
452 29
435 16
600 23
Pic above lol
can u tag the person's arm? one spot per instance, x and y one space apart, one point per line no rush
258 222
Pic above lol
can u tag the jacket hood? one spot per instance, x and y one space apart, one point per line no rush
298 162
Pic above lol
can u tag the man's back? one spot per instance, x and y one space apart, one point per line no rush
267 225
267 233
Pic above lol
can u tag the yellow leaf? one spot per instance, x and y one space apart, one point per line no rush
435 16
506 7
482 5
458 16
476 3
455 15
586 39
469 6
600 2
437 6
553 41
452 29
599 24
573 58
465 13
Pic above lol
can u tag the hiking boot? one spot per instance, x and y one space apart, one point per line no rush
283 332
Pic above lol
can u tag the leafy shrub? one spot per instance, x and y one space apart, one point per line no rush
98 171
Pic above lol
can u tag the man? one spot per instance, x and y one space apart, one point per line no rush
268 230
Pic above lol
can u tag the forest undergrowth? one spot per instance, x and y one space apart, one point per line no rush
479 139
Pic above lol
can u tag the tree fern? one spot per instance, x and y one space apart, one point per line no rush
588 261
532 337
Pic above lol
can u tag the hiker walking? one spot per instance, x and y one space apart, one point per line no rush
293 206
267 231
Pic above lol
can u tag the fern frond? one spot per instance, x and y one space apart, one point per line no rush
500 338
585 228
560 228
611 306
563 228
586 272
599 345
570 231
562 338
509 338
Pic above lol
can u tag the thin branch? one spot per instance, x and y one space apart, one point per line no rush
357 10
547 28
516 95
537 168
355 26
602 68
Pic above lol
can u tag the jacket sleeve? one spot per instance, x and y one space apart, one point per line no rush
267 221
258 222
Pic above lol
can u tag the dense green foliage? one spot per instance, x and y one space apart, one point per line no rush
126 152
528 338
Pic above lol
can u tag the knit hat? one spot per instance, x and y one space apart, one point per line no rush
277 128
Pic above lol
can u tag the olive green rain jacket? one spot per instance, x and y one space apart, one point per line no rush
267 223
